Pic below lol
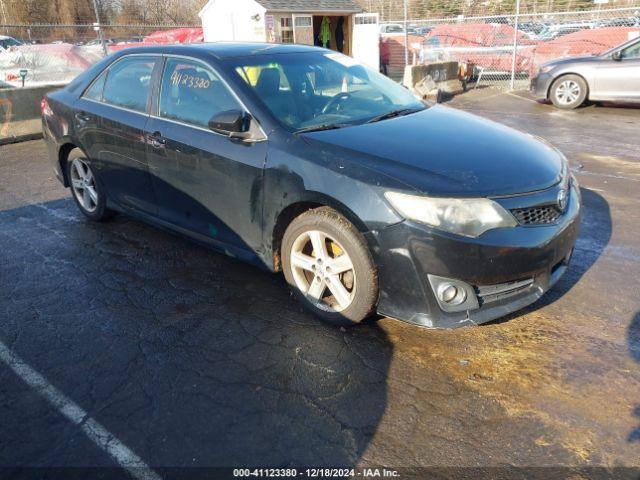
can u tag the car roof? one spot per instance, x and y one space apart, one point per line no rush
224 50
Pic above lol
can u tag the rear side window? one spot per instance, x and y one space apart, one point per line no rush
192 93
127 83
95 90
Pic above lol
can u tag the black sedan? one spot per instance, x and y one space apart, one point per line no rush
301 160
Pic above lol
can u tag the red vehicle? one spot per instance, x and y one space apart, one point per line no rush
177 35
583 42
392 46
482 44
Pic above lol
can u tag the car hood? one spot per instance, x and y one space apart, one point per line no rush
443 151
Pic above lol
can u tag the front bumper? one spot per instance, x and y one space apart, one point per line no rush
539 86
506 269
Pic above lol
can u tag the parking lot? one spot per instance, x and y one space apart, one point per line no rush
126 347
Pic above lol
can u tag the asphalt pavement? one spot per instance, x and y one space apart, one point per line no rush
126 347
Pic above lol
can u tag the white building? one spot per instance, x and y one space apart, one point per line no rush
346 28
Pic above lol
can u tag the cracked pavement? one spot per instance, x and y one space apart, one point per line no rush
194 359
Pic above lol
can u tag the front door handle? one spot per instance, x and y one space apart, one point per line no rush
156 140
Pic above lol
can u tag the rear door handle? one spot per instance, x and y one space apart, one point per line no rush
156 140
83 117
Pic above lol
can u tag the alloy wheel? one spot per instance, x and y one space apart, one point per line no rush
568 92
84 185
323 271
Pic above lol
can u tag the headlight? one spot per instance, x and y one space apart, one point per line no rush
545 69
470 217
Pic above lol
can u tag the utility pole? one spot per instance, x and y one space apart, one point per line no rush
406 34
99 28
515 46
4 16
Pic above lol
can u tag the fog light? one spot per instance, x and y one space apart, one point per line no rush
453 295
450 294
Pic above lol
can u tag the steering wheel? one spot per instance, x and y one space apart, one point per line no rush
335 101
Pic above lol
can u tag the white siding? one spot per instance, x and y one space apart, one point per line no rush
233 20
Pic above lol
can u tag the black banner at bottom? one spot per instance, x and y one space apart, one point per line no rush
427 473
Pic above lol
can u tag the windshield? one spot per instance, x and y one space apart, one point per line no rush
9 42
307 90
619 47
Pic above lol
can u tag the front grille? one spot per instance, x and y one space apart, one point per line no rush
537 215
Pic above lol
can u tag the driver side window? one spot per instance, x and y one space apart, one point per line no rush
192 93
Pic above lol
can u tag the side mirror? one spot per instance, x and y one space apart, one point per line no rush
617 56
233 123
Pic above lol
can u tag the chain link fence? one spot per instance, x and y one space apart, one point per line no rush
54 53
505 50
36 58
499 43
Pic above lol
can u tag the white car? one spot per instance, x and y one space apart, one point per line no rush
551 32
391 28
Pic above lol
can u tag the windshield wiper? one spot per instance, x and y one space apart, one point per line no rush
324 126
394 113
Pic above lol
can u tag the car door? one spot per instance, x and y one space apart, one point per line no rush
619 79
110 120
205 183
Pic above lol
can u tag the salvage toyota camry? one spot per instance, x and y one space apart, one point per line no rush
302 160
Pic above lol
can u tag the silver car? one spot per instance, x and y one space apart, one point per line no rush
611 76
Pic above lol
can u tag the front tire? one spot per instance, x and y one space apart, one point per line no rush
568 92
85 188
327 264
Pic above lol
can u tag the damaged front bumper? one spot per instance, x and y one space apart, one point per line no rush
500 272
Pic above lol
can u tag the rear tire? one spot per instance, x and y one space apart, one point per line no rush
568 92
329 268
86 190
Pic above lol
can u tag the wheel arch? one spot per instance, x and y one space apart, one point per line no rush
564 74
310 201
63 156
